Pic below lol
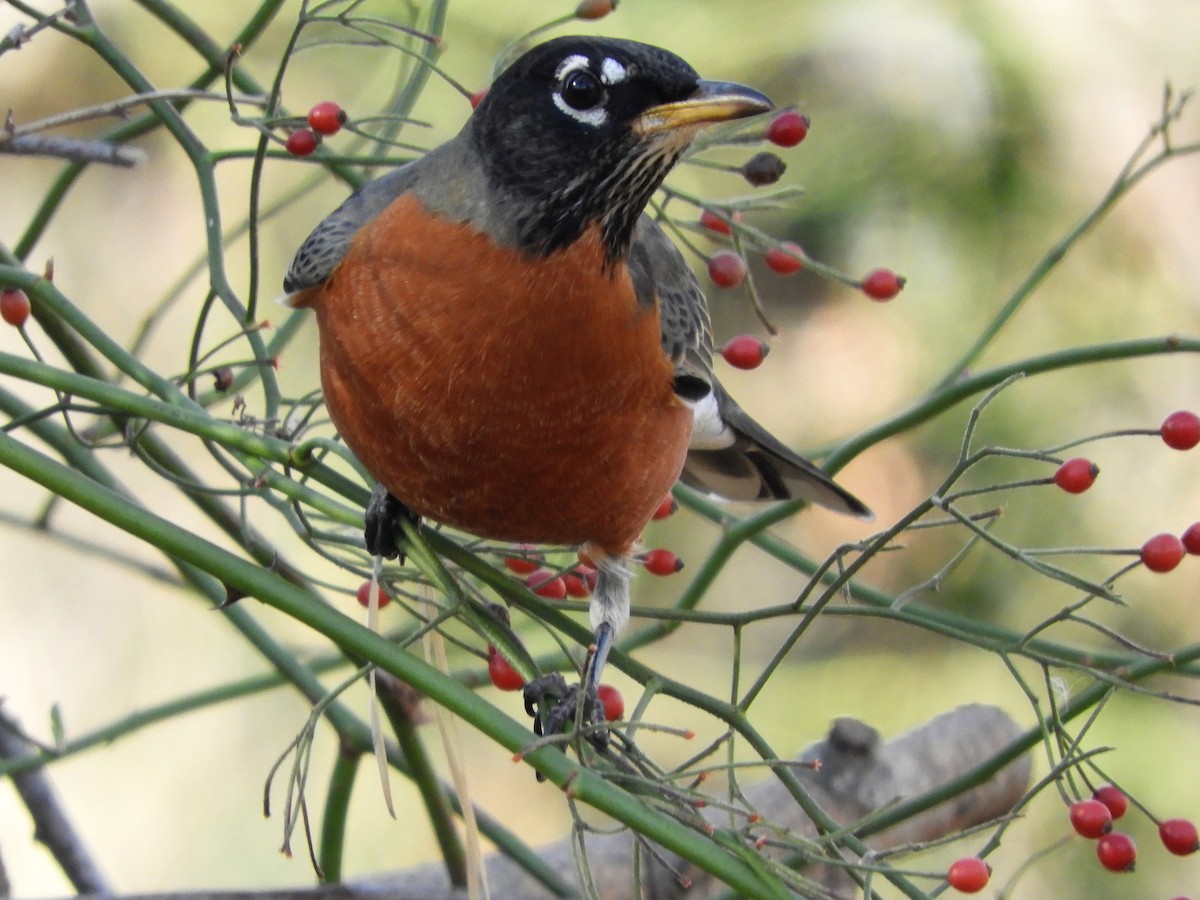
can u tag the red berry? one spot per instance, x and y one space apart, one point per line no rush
326 118
576 585
302 142
1116 852
1091 818
713 222
594 9
14 306
785 259
614 703
1179 836
745 352
788 129
1076 475
969 875
503 675
1112 797
520 565
1181 430
363 595
1191 538
587 574
882 284
546 584
661 562
666 508
1162 553
477 97
726 268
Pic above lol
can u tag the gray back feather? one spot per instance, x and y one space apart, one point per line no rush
320 253
659 270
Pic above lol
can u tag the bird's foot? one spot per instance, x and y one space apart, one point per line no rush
382 518
555 706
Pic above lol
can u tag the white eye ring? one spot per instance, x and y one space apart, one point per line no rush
595 116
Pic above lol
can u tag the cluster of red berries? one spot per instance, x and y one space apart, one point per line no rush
1163 552
1093 819
727 268
730 270
1179 431
325 118
580 580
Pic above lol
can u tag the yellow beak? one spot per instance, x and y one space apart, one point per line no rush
712 102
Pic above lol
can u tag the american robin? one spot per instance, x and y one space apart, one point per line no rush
511 346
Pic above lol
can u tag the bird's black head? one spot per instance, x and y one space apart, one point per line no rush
583 130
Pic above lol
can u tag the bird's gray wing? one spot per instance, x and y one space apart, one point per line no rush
730 455
661 275
322 250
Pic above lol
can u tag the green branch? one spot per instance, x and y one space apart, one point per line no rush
254 581
969 386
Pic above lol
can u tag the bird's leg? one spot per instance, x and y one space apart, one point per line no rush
381 519
609 615
609 611
599 656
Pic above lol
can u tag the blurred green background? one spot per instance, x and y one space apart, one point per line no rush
953 142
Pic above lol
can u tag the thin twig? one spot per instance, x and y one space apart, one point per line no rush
74 149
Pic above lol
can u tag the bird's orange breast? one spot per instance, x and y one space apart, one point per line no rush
516 398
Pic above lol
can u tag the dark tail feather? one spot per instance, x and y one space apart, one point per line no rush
758 467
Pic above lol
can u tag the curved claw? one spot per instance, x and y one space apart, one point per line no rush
554 705
551 690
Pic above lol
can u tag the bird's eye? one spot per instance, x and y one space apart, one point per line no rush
582 90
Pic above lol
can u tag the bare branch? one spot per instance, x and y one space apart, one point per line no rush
51 825
119 108
74 149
